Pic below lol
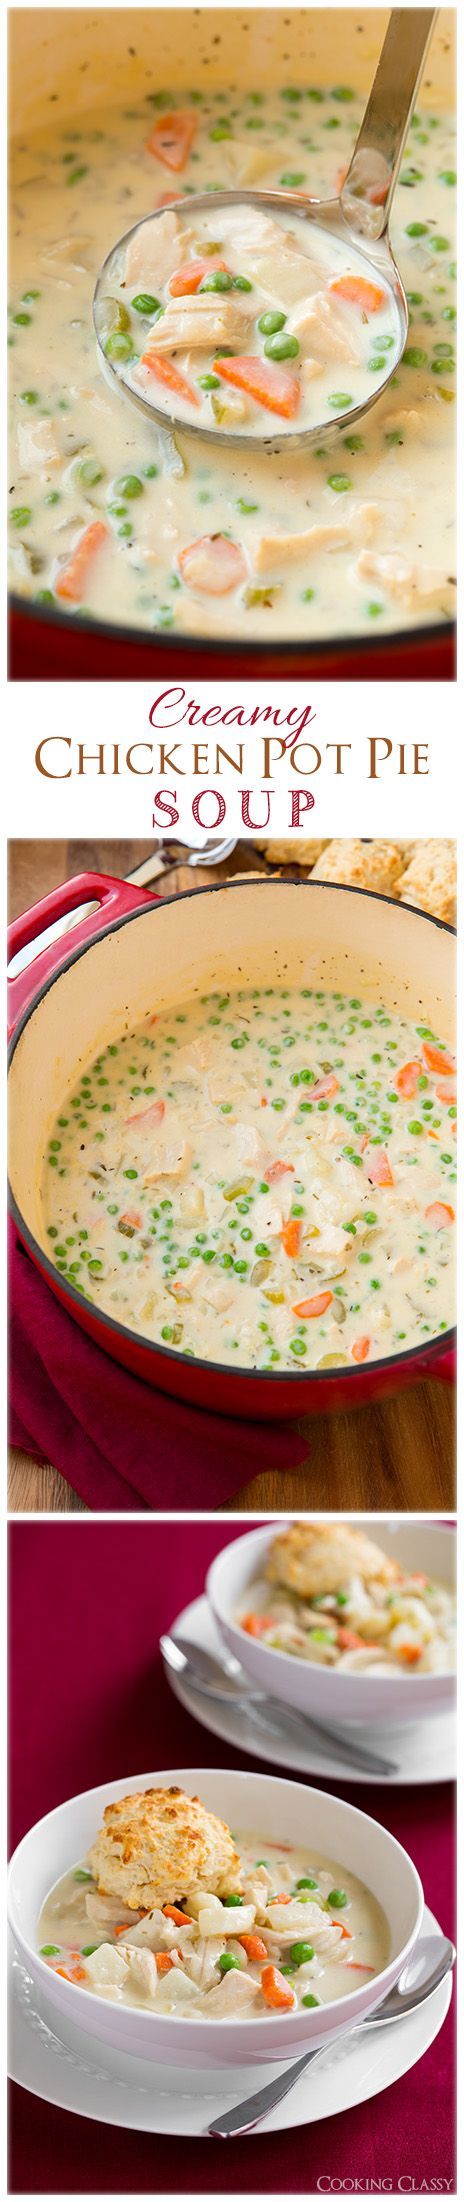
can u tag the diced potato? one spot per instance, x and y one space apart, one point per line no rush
38 448
106 1968
286 274
243 161
229 408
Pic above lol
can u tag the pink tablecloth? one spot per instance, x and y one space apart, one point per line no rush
89 1702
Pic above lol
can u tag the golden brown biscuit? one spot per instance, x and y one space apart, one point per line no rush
430 879
160 1845
377 865
314 1558
302 853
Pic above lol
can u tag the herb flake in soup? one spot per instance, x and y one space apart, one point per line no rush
265 1178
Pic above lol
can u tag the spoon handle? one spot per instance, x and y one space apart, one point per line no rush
369 185
250 2113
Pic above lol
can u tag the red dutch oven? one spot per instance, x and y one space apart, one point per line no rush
138 952
46 644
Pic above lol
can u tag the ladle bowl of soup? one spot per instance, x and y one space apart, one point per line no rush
289 1841
239 1173
129 541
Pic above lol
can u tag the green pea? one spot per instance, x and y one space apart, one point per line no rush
227 1963
29 397
416 229
414 356
415 1127
339 401
339 482
439 244
87 471
21 515
49 1949
281 346
75 175
342 92
89 1949
129 485
22 320
119 346
301 1953
337 1898
292 179
307 1882
270 323
242 283
232 1901
82 1874
219 280
144 303
310 2002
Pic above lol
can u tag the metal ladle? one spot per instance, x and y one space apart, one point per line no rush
358 218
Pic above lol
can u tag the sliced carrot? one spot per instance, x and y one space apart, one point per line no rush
437 1059
164 371
76 1972
411 1653
131 1216
282 1896
291 1236
213 565
439 1214
186 280
74 574
325 1087
317 1306
446 1090
353 1965
273 387
122 1928
378 1168
279 1169
151 1116
360 1349
255 1623
172 137
276 1991
180 1918
406 1079
345 1931
253 1946
348 1640
164 1961
358 292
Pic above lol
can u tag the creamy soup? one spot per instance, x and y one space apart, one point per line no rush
288 1942
362 1628
261 321
124 521
265 1178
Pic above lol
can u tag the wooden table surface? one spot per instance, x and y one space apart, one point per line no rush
398 1456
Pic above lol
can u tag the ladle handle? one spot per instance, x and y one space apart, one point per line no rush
115 899
367 192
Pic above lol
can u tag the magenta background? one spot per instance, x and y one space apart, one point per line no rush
89 1703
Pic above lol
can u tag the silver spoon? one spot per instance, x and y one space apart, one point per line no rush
433 1956
359 218
229 1685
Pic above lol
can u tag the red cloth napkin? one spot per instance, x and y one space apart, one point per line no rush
119 1443
100 1707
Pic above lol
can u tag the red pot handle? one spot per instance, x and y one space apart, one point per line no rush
115 898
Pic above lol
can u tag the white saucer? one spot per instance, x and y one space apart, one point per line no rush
422 1755
127 2091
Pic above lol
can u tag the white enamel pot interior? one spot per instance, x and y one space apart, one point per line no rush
261 932
329 1693
291 1813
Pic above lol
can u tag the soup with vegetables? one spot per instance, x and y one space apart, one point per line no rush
286 1942
265 1178
331 1596
296 304
124 521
